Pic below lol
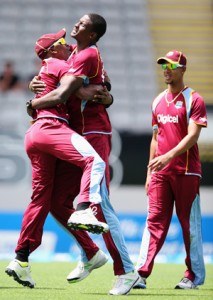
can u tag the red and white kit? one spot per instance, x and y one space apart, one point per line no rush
176 184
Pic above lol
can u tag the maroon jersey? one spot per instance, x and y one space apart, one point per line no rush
85 116
51 72
171 118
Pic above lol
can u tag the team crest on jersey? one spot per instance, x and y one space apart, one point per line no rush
202 119
179 104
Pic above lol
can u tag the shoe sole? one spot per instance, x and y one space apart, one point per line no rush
13 274
139 286
77 279
181 288
96 229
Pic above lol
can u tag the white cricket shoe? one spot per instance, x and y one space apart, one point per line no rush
124 283
20 271
86 220
141 284
186 284
84 269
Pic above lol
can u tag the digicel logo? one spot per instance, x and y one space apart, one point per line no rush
167 119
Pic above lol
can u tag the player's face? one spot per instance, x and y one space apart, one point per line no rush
61 51
173 76
83 29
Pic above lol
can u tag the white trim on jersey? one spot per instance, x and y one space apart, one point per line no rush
187 94
157 100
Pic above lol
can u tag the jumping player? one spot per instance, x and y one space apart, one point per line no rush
48 139
174 172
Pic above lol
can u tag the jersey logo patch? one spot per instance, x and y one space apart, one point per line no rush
179 104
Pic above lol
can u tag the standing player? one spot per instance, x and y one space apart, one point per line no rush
48 139
174 171
91 120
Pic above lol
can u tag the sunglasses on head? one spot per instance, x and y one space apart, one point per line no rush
171 66
61 41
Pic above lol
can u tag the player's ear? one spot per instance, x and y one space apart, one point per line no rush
93 36
183 69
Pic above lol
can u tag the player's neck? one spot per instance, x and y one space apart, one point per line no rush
81 46
175 88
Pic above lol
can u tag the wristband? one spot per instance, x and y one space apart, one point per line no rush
107 84
29 104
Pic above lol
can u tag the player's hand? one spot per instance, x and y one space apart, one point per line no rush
159 162
148 178
36 85
106 77
103 97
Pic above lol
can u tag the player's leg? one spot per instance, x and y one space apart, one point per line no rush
73 148
66 188
69 146
127 277
189 214
102 145
114 240
43 166
160 208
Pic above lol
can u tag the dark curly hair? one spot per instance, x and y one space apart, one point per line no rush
99 24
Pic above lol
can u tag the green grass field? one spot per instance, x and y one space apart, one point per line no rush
51 284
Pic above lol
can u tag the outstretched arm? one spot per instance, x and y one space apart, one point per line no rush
68 85
95 93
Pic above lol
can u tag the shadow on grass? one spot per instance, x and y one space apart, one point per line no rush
27 288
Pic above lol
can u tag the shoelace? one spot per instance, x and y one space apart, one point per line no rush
94 210
185 280
118 282
188 281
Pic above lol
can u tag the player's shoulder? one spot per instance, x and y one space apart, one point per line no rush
91 51
196 96
157 99
52 61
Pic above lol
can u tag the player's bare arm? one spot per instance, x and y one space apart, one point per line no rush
88 92
153 148
92 92
103 96
37 86
158 163
95 93
68 85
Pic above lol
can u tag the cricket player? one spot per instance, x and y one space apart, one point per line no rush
174 172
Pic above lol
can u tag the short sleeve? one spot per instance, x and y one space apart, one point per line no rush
198 110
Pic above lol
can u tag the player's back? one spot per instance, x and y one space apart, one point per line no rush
51 72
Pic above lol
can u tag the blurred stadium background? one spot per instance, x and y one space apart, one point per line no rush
139 31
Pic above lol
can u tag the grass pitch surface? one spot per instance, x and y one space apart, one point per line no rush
51 284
